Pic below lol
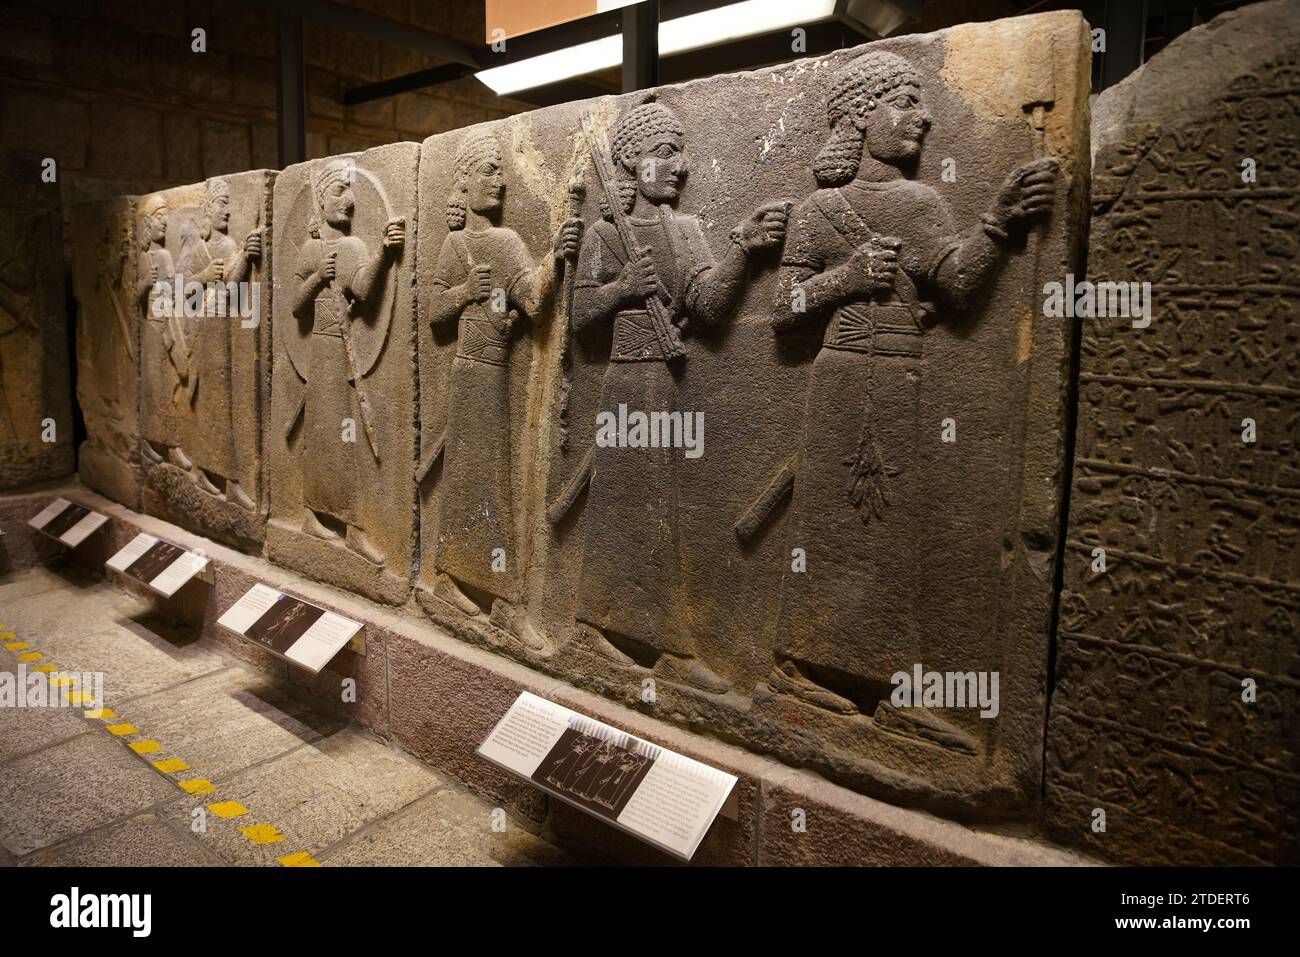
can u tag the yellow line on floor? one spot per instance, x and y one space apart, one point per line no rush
259 834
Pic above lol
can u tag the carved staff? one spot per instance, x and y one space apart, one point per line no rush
577 193
665 332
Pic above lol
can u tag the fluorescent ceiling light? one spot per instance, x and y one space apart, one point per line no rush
707 28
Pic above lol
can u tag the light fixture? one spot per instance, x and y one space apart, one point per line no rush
679 35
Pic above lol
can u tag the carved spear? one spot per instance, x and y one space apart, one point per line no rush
577 193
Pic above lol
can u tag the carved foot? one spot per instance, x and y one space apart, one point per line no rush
357 541
786 678
312 526
925 725
150 453
179 459
449 591
205 483
509 619
235 493
689 671
590 639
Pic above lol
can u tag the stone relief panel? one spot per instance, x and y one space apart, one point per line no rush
206 329
104 260
35 393
341 437
725 457
487 312
1178 673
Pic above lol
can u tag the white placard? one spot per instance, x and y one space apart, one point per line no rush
133 550
175 575
83 529
657 795
241 615
285 631
322 641
46 515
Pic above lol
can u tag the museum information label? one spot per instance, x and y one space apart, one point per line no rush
657 795
289 627
67 522
160 566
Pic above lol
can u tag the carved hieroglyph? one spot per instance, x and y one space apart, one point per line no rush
35 394
203 389
108 323
483 289
341 435
1177 702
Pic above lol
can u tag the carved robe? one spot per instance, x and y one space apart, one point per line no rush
476 509
164 361
329 473
858 494
631 581
212 443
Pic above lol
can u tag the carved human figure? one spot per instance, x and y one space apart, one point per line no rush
210 255
165 349
877 257
631 590
486 280
335 277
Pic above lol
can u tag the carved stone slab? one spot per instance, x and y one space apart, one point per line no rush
341 436
1178 678
35 393
108 320
826 536
205 384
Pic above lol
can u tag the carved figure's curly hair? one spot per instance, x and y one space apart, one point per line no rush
862 81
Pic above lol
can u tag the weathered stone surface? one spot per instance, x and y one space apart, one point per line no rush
108 331
204 383
1200 593
341 436
35 392
823 439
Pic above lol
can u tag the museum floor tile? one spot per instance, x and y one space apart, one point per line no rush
169 751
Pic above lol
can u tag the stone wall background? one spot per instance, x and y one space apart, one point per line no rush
112 90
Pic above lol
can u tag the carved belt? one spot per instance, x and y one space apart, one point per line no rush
635 339
480 342
885 329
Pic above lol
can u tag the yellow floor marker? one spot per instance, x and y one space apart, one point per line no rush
301 859
198 786
62 681
171 765
5 635
17 645
78 698
101 713
261 834
145 747
30 656
120 729
46 669
227 809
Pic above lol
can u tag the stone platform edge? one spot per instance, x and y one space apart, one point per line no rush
436 698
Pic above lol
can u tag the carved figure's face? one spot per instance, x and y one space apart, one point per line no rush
486 188
661 168
221 213
338 203
894 127
158 227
